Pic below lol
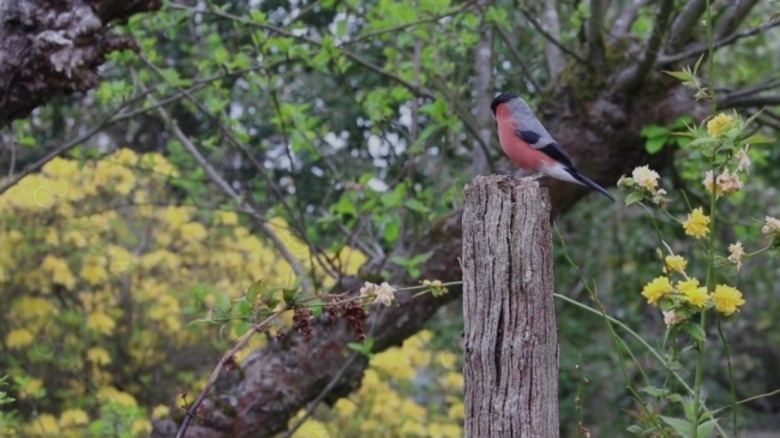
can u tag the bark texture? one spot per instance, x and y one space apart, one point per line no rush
55 47
511 344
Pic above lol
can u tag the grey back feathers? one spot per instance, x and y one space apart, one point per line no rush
527 121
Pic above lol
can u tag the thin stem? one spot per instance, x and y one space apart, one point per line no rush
731 377
711 243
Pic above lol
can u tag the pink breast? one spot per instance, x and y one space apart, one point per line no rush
520 152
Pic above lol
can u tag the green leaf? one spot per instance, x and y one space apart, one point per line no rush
243 310
223 303
257 16
392 231
345 206
255 290
681 122
681 75
427 132
654 145
289 295
633 197
652 390
269 296
682 427
415 205
341 28
655 131
363 348
694 330
705 429
316 306
242 327
757 139
675 398
400 260
636 430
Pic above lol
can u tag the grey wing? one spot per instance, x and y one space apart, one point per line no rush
549 147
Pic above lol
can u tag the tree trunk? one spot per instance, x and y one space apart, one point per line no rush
511 350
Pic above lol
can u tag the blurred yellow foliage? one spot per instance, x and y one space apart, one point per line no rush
101 275
408 391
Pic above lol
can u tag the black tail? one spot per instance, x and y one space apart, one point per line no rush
585 180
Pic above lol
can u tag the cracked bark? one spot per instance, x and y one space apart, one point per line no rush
53 48
511 348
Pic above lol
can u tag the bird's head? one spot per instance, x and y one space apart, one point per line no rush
502 98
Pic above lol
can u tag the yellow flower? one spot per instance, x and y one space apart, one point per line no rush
44 424
727 299
697 224
227 217
656 289
32 389
59 270
141 427
73 417
646 178
193 231
692 293
716 124
687 285
312 428
19 338
101 322
160 411
35 307
99 356
676 263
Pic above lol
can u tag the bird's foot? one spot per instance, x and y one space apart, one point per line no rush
532 177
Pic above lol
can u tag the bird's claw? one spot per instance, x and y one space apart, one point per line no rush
532 177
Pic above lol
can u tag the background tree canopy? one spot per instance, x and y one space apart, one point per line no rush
159 160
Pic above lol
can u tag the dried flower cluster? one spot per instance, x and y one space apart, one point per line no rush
352 312
302 322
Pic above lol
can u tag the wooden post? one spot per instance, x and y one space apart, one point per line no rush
511 344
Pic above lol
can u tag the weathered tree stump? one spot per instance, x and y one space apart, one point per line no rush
511 349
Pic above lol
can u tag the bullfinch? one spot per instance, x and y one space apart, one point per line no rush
526 142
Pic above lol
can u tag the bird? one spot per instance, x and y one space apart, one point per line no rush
527 144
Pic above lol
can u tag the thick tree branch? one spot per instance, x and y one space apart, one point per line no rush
632 77
730 22
596 33
553 48
684 25
47 53
700 48
627 18
748 91
751 101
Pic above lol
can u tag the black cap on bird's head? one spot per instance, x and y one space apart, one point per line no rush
502 98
